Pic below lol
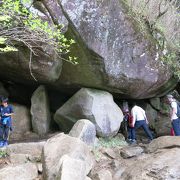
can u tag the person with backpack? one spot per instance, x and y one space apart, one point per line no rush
139 120
127 125
174 114
6 111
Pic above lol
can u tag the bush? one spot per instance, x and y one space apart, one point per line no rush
20 26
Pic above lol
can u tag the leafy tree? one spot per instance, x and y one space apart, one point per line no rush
20 26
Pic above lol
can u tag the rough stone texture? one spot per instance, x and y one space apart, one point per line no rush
95 105
129 152
27 171
103 175
45 68
162 165
113 53
163 142
109 152
19 137
162 125
53 11
32 149
3 91
161 15
40 111
60 145
72 169
21 120
84 130
18 158
156 103
151 115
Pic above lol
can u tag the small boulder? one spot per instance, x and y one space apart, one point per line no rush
103 175
163 142
60 145
85 131
27 171
71 169
129 152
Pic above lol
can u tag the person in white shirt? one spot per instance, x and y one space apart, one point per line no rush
140 120
175 121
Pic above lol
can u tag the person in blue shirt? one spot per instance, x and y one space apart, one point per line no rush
6 111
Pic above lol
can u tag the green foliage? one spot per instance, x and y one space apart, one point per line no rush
111 142
3 154
20 25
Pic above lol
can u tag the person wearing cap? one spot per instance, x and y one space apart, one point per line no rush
175 121
6 111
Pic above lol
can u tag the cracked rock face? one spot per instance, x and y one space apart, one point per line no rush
17 66
113 50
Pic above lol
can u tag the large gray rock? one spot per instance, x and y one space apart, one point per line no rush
27 171
114 51
156 103
161 165
44 67
95 105
163 125
84 130
40 111
60 145
151 115
31 149
21 120
163 142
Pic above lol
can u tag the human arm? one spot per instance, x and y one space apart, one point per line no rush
9 111
8 114
173 111
133 118
144 114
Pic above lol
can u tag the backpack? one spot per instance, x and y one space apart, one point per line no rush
130 119
178 109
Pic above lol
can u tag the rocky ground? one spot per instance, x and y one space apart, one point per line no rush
65 157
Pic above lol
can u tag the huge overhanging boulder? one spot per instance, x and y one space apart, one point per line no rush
114 52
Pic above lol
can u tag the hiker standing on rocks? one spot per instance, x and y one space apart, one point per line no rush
175 121
6 111
140 120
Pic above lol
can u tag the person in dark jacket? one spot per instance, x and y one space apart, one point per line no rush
6 111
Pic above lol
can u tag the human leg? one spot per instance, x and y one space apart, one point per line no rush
147 130
176 126
1 135
6 135
131 133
